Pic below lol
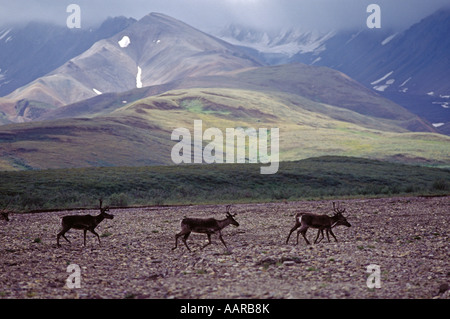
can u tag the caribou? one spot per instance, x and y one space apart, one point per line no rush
206 226
321 222
83 222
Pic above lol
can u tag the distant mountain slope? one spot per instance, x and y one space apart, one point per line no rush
409 67
31 51
318 84
117 104
276 47
139 133
154 50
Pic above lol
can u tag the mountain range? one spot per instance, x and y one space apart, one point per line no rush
408 66
117 102
156 49
30 51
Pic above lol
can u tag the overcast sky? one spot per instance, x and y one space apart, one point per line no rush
213 14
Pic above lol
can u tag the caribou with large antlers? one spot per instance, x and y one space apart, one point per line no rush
206 226
321 222
84 222
4 214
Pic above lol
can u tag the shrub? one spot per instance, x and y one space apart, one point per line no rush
120 200
440 185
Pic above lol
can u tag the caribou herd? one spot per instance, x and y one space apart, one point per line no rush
208 226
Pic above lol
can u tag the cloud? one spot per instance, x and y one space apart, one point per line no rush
208 14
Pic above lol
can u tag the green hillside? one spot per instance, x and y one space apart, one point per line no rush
139 133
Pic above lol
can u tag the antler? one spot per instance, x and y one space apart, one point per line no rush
228 211
337 209
103 209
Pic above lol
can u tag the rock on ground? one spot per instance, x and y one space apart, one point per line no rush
406 237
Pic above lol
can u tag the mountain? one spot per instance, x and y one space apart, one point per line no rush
331 115
409 67
118 102
154 50
35 49
139 133
318 84
275 47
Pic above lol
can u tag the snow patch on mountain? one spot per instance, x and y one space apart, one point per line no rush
96 91
316 60
383 87
388 39
380 88
139 78
354 36
406 81
445 105
402 87
382 78
4 33
124 42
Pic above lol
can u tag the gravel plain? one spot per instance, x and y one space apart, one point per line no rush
407 237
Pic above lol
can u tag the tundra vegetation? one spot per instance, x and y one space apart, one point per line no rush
316 178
